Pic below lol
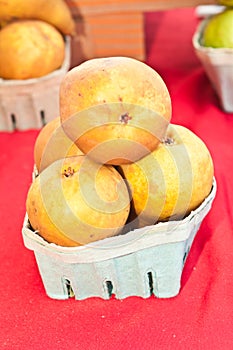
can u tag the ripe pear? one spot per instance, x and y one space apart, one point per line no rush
55 12
116 109
52 144
30 49
74 201
172 180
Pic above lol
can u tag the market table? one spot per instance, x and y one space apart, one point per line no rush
200 317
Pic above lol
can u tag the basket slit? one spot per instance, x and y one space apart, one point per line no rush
68 287
109 287
42 117
13 120
186 255
150 282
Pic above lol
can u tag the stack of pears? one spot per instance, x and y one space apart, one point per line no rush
113 161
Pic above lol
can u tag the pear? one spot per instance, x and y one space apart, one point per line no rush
218 32
116 109
52 144
172 180
30 49
55 12
75 201
226 2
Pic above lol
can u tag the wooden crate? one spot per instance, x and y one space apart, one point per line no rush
114 35
98 7
115 27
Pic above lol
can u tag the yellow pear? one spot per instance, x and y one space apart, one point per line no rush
52 144
171 181
116 109
55 12
30 49
74 201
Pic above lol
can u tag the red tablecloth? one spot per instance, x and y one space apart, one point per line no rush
200 317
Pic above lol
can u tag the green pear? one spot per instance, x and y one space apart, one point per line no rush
218 32
226 2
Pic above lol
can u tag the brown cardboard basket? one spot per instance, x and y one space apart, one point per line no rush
31 103
143 262
218 65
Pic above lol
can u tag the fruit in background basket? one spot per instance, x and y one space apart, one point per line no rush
53 144
30 49
171 181
3 23
55 12
74 201
116 109
218 32
226 2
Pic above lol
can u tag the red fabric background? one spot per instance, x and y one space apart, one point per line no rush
200 317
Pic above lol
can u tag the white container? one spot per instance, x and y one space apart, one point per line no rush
218 65
139 263
31 103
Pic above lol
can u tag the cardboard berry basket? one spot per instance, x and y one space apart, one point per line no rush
31 103
218 65
144 262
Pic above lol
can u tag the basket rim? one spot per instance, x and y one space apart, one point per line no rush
138 239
